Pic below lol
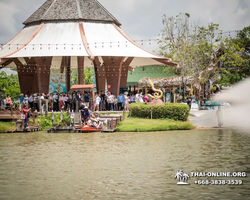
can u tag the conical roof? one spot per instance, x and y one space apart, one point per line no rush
89 10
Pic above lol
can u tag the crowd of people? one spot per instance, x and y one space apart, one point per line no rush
63 102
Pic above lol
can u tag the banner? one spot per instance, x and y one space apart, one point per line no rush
57 81
168 98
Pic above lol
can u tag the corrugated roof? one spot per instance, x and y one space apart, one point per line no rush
53 10
82 87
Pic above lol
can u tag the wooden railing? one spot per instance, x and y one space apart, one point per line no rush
10 111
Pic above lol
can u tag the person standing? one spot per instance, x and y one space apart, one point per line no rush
97 102
126 101
65 98
73 102
132 99
61 102
145 98
26 100
21 101
103 100
78 99
56 103
120 100
31 101
111 101
35 104
137 98
141 98
115 103
86 99
8 102
189 101
25 113
2 102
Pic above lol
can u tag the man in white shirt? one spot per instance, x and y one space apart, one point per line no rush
97 102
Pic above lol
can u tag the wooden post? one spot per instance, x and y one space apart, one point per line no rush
47 107
40 106
52 117
80 61
173 94
61 116
146 91
77 106
92 103
34 118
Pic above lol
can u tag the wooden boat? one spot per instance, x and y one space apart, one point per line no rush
91 129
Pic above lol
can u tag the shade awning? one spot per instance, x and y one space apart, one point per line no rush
82 87
77 39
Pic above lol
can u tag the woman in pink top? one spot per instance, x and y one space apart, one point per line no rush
8 102
146 99
25 112
126 101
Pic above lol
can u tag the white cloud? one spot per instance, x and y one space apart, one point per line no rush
141 19
7 22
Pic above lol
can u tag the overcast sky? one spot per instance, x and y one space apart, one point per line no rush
141 19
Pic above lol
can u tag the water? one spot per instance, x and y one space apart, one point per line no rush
121 165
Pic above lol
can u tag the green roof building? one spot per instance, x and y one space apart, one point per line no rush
147 71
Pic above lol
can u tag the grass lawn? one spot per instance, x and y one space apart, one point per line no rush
147 125
6 127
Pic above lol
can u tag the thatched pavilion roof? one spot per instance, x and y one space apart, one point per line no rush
89 10
166 82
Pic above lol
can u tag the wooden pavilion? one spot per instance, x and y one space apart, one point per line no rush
74 34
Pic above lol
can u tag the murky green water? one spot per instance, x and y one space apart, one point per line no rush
121 165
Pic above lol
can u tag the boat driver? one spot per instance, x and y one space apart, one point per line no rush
85 114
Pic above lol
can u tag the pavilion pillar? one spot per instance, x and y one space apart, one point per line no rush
80 62
43 73
113 67
124 72
27 75
100 75
32 71
67 72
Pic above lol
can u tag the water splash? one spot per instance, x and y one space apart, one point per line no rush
238 96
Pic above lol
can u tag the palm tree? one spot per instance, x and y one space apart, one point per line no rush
185 177
179 175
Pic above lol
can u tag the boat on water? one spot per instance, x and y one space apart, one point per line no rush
90 129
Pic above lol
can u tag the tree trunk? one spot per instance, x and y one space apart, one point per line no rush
199 97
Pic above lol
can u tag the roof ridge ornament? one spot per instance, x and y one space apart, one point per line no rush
48 9
65 10
79 9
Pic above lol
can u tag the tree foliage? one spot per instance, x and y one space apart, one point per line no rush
202 52
9 84
88 76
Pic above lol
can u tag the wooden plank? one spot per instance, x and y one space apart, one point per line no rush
108 130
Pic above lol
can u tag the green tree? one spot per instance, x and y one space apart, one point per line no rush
233 63
88 75
202 52
9 84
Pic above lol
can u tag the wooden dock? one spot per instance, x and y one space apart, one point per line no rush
105 130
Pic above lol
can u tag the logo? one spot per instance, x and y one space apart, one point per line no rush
182 177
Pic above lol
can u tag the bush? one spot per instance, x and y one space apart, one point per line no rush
177 112
46 122
7 127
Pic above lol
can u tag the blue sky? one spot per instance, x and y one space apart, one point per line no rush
141 19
